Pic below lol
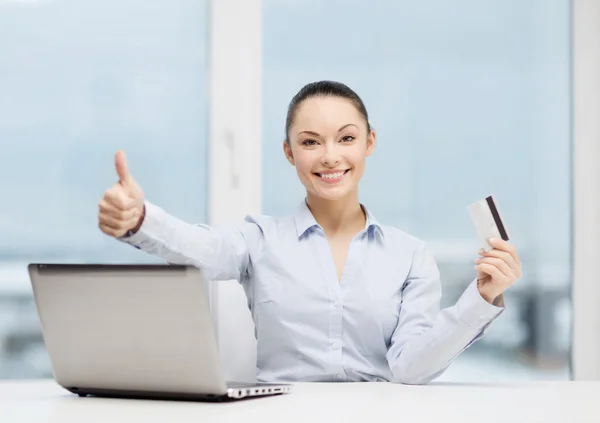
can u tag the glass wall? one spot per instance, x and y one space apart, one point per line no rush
78 81
468 98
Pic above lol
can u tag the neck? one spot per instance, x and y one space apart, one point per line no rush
337 217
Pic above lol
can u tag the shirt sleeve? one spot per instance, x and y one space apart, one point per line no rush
426 340
223 251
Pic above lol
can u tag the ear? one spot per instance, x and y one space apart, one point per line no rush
371 141
287 150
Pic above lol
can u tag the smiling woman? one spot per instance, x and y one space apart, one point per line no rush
334 294
328 137
468 99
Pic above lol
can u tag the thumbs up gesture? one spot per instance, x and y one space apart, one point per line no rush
122 207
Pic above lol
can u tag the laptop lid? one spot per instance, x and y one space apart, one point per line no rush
128 327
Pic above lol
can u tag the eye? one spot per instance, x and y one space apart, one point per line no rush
348 138
309 142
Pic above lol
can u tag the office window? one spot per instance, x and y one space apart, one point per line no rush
78 81
468 99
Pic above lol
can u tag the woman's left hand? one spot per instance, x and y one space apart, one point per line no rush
497 269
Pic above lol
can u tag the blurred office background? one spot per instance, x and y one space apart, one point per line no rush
469 98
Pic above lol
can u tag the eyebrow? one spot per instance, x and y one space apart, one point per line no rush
317 135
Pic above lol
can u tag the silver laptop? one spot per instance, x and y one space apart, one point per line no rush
141 331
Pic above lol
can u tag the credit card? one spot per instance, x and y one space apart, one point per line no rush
487 221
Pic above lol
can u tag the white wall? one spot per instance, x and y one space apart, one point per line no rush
235 151
586 133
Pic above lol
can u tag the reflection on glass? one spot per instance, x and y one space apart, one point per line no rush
80 80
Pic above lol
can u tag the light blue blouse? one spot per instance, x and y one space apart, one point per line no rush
380 322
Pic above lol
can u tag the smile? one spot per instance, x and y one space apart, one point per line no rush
331 177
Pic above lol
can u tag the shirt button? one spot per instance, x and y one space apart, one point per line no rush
336 346
336 304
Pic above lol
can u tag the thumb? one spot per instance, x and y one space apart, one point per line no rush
122 169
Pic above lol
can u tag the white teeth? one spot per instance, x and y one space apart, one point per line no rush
331 175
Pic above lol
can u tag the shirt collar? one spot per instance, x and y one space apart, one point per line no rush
305 220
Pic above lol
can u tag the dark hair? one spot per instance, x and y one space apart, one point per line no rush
324 89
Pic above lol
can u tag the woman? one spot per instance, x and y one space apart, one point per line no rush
334 294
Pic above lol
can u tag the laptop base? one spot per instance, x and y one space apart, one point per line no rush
233 393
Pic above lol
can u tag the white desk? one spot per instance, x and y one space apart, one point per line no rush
571 402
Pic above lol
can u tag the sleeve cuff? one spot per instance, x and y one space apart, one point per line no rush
474 311
144 235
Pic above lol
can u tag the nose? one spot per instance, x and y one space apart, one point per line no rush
330 157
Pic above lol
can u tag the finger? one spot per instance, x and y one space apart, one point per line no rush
499 264
503 255
122 168
493 271
109 231
109 222
113 223
106 208
116 233
119 199
503 245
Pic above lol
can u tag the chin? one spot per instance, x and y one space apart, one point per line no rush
332 194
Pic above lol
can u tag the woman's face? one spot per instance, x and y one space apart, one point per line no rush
329 142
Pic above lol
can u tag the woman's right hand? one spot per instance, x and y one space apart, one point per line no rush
122 207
